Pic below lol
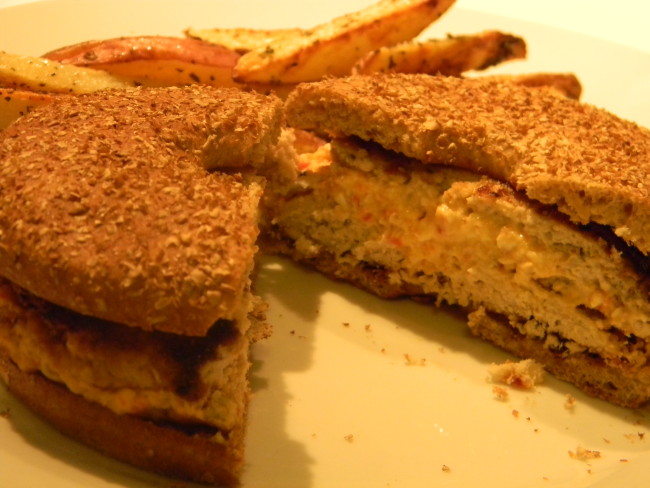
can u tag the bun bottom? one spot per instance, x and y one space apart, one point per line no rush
621 385
166 450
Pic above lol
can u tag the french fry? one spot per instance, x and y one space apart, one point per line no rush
565 84
15 103
331 49
36 74
240 39
451 56
161 61
154 60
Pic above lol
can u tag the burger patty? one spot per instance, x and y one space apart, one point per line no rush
156 375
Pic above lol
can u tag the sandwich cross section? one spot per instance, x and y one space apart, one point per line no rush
526 209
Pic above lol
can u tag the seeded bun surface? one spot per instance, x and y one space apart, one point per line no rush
107 209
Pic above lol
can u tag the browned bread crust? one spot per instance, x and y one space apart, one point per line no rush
106 207
594 166
166 450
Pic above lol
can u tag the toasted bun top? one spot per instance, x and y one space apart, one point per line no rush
593 165
106 208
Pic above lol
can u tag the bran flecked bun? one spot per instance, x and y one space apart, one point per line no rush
107 209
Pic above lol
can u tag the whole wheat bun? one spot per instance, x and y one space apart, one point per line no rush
107 207
592 165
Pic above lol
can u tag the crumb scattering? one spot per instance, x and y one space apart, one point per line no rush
446 468
583 454
524 374
411 361
569 402
500 393
349 438
636 436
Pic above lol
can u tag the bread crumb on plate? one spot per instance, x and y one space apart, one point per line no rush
500 393
569 402
524 374
583 454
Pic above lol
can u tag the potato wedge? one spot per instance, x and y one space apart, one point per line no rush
240 39
154 60
565 84
15 103
451 56
331 49
44 75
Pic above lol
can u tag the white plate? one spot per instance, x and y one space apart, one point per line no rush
336 401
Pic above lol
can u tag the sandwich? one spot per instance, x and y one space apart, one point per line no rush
128 229
527 210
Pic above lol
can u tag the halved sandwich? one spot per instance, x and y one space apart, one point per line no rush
526 208
128 228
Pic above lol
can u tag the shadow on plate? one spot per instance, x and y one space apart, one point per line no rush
300 293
